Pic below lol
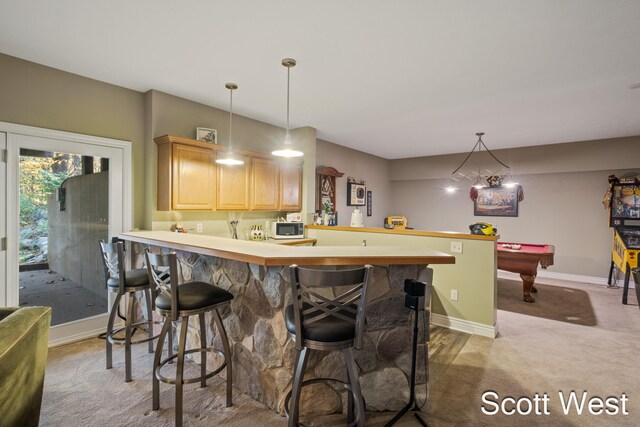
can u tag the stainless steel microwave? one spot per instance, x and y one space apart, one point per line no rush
287 230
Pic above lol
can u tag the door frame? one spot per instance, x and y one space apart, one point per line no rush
3 219
76 144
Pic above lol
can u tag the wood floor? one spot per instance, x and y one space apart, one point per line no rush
444 346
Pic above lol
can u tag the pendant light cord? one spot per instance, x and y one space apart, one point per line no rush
479 145
230 117
288 79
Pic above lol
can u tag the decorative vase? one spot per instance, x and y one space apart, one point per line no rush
257 232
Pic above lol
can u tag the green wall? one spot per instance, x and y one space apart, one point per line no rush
473 275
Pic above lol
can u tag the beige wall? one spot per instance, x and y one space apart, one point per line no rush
168 114
35 95
561 208
362 166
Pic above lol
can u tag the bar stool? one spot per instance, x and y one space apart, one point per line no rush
316 322
177 303
135 280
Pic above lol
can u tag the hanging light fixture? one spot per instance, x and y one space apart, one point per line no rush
287 149
228 158
481 177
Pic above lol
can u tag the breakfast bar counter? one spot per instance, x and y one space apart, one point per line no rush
284 255
257 274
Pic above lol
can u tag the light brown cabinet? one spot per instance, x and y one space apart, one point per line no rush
186 177
290 186
189 179
265 183
233 186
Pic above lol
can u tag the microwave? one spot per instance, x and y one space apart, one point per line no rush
287 230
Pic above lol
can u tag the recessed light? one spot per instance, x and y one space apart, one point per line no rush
634 86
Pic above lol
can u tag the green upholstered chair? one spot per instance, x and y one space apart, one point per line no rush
24 336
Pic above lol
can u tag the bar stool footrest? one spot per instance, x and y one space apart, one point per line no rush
121 341
287 398
208 375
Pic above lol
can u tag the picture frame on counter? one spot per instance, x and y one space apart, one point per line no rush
356 194
207 135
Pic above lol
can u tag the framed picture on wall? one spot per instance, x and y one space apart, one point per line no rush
356 194
496 201
207 135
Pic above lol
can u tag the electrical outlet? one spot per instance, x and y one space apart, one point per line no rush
454 295
456 247
199 228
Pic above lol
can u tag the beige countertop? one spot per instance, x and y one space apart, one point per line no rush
280 255
448 234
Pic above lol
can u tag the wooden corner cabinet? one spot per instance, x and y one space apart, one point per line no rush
189 179
290 198
233 186
186 176
265 184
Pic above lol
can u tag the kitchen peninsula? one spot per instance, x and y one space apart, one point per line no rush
257 275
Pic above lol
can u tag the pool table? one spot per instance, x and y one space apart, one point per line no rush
525 260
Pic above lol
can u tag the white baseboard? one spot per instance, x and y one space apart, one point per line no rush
464 325
58 341
565 276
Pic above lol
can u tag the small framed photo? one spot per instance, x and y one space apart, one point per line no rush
356 194
207 135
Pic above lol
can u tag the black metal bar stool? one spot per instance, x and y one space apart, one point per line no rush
316 322
178 303
121 282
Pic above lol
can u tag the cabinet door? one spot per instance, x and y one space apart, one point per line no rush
290 187
193 178
265 184
233 186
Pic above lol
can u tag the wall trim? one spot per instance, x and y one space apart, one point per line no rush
68 339
591 280
464 325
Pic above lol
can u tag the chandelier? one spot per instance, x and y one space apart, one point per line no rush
481 177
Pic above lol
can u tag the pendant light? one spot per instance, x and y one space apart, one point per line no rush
286 150
228 158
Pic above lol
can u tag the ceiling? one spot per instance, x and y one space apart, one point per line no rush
395 79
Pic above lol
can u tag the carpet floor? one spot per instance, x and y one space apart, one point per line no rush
576 337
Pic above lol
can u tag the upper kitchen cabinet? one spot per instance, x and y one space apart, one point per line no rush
189 179
186 174
290 186
233 186
265 183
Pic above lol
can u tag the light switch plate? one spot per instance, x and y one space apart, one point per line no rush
454 295
199 228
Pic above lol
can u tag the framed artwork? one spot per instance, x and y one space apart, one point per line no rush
207 135
496 201
356 194
369 207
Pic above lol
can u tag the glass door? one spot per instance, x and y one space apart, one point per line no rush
65 193
63 213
